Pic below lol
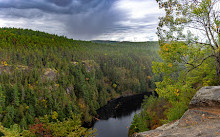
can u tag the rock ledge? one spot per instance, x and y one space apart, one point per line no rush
202 119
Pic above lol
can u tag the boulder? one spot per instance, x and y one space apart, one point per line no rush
206 97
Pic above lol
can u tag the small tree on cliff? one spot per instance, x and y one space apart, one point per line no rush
193 25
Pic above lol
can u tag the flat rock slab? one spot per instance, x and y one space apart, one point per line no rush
201 120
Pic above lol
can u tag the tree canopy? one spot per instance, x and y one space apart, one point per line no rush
194 24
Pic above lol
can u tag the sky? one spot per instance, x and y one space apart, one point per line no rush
119 20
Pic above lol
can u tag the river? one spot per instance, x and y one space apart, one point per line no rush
115 127
115 118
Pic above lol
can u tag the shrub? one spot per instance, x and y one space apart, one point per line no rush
70 127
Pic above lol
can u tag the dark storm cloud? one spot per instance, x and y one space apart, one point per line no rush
80 19
105 20
56 6
31 4
21 13
62 3
89 24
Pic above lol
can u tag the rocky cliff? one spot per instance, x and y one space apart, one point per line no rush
202 119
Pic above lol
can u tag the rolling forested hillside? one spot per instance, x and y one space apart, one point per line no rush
48 75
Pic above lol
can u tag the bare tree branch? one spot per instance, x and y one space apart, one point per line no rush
196 66
197 42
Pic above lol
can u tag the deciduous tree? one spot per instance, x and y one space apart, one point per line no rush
197 24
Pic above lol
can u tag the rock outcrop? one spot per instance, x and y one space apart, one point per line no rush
49 74
202 119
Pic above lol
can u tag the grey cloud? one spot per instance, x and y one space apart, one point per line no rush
34 4
83 19
80 19
93 23
56 6
21 13
62 3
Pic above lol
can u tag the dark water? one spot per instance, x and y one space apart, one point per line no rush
115 127
117 115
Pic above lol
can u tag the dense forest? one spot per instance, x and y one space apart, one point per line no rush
50 84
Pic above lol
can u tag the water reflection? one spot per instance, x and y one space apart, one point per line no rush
115 127
117 115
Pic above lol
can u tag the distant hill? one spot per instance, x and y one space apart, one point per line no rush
104 41
109 41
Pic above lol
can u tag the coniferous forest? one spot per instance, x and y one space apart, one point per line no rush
50 85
